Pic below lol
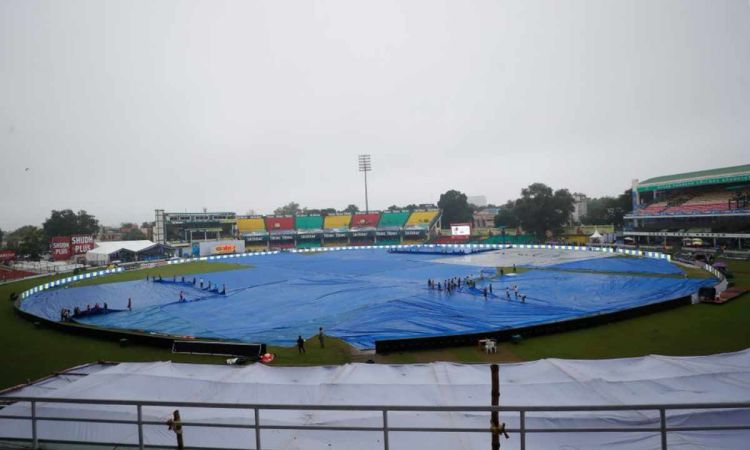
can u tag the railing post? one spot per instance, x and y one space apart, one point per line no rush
140 427
34 437
663 428
522 430
257 429
385 429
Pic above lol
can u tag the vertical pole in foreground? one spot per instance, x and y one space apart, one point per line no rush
140 427
495 415
176 425
663 427
34 437
385 429
257 429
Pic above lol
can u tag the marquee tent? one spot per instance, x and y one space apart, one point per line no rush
631 381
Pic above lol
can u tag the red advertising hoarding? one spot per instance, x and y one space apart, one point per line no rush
60 248
82 243
7 255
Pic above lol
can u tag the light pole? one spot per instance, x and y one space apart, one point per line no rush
365 166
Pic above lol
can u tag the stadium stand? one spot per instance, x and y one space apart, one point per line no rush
337 221
362 231
361 220
253 231
279 223
314 222
393 219
710 206
421 218
251 225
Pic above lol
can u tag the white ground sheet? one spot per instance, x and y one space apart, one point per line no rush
522 257
651 380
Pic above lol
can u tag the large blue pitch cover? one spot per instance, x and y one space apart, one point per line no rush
366 295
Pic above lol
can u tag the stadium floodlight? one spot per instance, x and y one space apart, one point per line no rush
365 166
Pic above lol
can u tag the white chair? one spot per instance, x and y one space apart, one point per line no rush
490 346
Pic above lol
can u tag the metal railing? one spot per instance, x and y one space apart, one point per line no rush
385 428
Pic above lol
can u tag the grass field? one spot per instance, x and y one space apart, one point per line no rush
30 353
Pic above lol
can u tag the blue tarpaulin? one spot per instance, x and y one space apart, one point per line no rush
364 295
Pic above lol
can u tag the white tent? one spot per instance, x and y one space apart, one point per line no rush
645 380
101 254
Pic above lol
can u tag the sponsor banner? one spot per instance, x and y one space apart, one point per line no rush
224 247
420 232
309 236
81 243
7 255
60 248
362 234
255 238
387 233
687 234
282 237
334 235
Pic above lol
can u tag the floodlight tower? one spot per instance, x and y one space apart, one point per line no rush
365 166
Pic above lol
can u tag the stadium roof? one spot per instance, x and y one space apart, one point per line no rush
698 178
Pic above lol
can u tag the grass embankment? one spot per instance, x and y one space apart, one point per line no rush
30 353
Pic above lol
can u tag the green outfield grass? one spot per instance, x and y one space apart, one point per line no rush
29 353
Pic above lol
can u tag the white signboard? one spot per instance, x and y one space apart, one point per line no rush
460 230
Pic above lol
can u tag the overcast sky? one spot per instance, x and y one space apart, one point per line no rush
120 108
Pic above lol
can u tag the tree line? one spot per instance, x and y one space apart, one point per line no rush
33 241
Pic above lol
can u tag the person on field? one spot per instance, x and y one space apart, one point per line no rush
300 345
130 304
320 338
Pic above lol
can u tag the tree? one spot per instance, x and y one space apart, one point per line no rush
608 210
327 211
1 237
134 234
287 210
540 210
27 240
455 208
66 223
507 217
351 209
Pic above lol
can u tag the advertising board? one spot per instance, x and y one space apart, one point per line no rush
60 248
81 243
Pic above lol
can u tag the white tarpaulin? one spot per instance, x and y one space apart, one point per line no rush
645 380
